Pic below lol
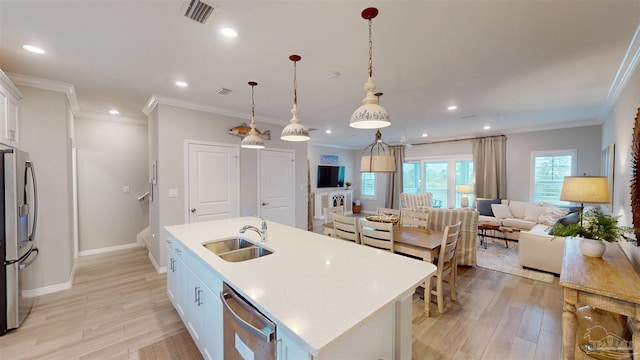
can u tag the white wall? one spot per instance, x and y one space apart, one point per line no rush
618 130
519 147
111 155
44 133
174 125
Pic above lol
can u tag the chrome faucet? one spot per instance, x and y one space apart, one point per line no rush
262 232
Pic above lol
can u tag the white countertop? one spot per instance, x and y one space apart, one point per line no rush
318 287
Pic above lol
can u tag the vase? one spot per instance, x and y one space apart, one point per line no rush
593 248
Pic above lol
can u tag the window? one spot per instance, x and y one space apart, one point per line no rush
548 171
411 177
368 184
439 177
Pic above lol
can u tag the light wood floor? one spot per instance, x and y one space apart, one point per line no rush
118 304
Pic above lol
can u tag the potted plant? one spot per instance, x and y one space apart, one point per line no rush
348 184
594 228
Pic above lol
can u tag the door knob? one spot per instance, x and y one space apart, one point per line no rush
265 203
193 210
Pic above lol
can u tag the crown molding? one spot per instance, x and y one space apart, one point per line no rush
4 79
66 88
112 118
626 69
154 100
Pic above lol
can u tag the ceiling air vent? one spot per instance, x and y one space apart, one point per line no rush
198 11
223 91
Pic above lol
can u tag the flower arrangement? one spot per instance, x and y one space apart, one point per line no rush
594 224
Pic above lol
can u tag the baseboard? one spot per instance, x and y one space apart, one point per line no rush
159 269
51 288
110 249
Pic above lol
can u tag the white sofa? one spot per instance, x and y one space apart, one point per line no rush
537 249
541 251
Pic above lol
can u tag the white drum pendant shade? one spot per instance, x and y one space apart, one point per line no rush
378 163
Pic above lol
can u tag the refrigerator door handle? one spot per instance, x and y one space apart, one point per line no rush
29 166
26 264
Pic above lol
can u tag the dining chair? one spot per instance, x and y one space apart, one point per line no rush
447 265
328 217
376 234
415 218
346 227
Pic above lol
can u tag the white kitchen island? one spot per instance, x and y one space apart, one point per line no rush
328 298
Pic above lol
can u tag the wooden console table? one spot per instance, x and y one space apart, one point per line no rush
609 283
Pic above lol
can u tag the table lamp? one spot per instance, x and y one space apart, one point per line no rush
585 189
464 189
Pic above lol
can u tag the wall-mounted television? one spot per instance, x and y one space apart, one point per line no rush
330 176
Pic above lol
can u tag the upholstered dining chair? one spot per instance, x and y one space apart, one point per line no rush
346 227
415 218
447 265
376 234
328 217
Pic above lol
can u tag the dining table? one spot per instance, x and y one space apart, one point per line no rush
417 242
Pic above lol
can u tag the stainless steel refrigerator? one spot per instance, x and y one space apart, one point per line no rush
18 219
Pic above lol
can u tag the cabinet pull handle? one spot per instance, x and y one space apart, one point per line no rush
178 251
196 294
199 297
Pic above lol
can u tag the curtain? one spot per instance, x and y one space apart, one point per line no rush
394 180
489 164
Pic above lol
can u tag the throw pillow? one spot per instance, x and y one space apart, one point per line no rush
570 218
484 206
551 215
501 211
532 213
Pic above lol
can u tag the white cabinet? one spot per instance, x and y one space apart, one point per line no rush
290 350
333 198
195 299
9 98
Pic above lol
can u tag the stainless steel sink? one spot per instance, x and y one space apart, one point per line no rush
245 254
236 249
222 246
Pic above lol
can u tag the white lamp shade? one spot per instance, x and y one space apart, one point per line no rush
585 189
370 116
252 142
295 132
378 163
464 189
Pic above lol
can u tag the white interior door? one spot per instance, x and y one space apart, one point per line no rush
277 182
213 182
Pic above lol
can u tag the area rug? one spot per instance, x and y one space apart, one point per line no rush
176 347
497 257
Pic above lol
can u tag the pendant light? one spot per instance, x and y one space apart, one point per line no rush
252 141
295 131
370 115
378 156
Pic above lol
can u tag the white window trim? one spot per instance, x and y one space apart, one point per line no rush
451 175
375 184
541 153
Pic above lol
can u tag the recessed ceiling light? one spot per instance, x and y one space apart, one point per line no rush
229 32
181 84
452 107
328 131
424 135
33 49
486 127
114 112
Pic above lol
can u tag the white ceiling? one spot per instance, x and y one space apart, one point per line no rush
510 64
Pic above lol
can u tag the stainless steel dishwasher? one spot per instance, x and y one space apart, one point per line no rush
248 335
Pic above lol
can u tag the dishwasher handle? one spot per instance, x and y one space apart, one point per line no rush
268 337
